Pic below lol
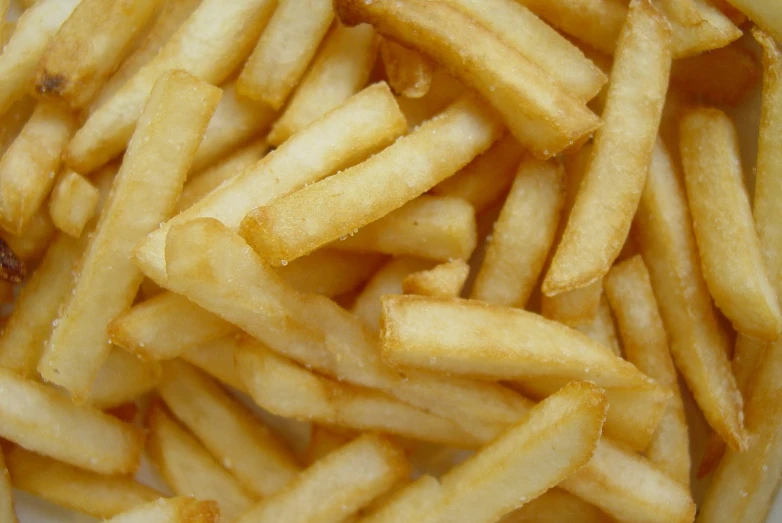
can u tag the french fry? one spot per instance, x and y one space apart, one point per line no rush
284 50
557 506
228 430
721 76
684 12
325 441
343 203
443 90
336 486
235 122
645 343
714 32
409 73
209 45
409 503
365 123
444 280
495 343
42 420
27 167
439 228
387 280
34 240
546 124
764 13
7 512
73 203
98 495
203 182
330 273
338 72
283 388
724 230
539 43
121 379
484 180
87 48
14 121
175 119
602 329
699 345
522 236
217 359
173 510
606 201
20 55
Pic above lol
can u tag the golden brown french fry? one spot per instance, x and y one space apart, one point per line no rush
365 123
724 230
216 358
443 90
98 495
343 203
7 512
34 240
234 123
557 506
444 280
173 510
546 124
228 430
699 345
439 228
150 180
201 183
209 45
43 420
189 469
409 72
73 203
629 290
27 167
284 50
721 76
325 441
74 65
20 55
602 329
121 379
538 42
283 388
765 13
336 486
485 179
14 121
472 338
522 236
608 197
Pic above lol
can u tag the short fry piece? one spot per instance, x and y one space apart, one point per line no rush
444 280
173 510
612 186
98 495
73 203
7 512
409 73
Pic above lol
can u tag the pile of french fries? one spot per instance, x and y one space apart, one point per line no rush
390 261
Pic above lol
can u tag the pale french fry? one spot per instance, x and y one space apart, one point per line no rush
283 388
539 43
150 179
217 359
173 510
235 122
98 495
284 50
645 343
439 228
14 121
339 71
20 55
121 379
73 203
767 14
336 486
88 48
721 76
7 512
34 240
203 182
468 337
228 430
724 230
444 280
557 506
699 345
298 325
522 236
343 203
443 90
484 180
545 123
42 420
366 122
188 468
608 197
209 45
27 167
387 280
409 73
602 329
